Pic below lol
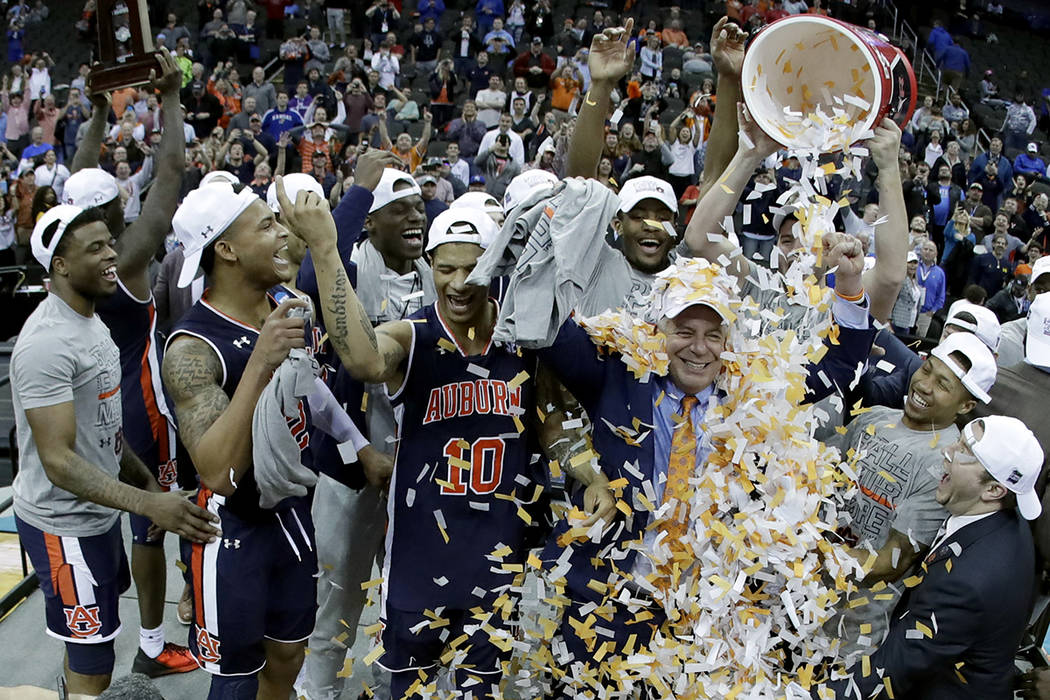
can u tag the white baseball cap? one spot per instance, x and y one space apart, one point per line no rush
203 216
63 214
981 375
1040 267
647 187
690 282
1011 453
986 328
525 185
1037 341
90 187
384 192
912 256
221 176
294 183
477 200
462 225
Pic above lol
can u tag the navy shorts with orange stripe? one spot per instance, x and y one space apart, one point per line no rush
162 463
256 582
81 579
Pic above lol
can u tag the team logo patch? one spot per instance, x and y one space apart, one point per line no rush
207 647
82 621
167 474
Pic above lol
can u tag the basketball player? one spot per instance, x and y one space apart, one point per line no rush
130 315
254 591
75 474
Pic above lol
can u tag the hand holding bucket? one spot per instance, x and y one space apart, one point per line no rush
813 82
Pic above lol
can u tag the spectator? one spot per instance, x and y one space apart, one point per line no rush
992 185
504 127
443 83
1011 302
945 196
425 46
428 185
1036 217
934 150
906 308
979 215
681 168
955 110
565 88
465 46
430 9
73 114
479 75
954 63
40 77
954 161
281 118
16 109
386 64
319 53
486 12
1029 163
967 138
534 65
959 229
403 148
311 141
499 43
992 269
497 167
490 102
539 20
458 168
51 173
438 168
175 32
247 36
293 53
932 280
516 20
357 103
938 40
231 159
203 110
335 13
674 36
320 170
1019 122
652 58
300 104
383 17
650 160
264 92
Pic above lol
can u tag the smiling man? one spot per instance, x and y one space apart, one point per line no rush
895 510
976 592
466 408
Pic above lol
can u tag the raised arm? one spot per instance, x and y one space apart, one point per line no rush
140 242
54 431
424 138
217 429
727 51
88 151
611 56
384 136
883 282
704 234
370 355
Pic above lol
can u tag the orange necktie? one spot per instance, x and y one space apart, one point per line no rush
681 466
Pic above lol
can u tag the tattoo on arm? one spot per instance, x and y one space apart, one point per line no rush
192 373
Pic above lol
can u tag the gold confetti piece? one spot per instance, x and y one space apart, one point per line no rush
371 584
726 188
446 344
519 379
522 513
470 333
373 629
889 686
924 629
373 655
348 668
555 469
865 665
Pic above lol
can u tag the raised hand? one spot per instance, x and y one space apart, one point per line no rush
727 48
170 79
280 334
885 145
370 166
753 139
612 53
308 217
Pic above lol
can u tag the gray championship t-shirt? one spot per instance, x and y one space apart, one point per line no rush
61 356
898 478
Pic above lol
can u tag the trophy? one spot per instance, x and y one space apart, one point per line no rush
125 46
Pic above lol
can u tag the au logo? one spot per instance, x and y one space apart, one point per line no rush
82 621
207 647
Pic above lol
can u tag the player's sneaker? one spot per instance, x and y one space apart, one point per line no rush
174 659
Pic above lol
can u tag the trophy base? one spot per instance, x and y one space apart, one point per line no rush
131 73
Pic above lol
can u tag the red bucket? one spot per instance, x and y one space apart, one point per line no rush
807 63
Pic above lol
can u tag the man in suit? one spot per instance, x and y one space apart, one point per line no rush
954 634
695 332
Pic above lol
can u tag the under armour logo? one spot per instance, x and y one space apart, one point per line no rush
207 231
1014 477
242 341
104 442
227 543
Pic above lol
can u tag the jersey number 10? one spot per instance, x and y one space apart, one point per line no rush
485 466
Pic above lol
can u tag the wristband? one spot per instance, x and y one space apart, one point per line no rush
853 299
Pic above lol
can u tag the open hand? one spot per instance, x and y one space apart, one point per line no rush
370 166
885 145
173 511
308 217
170 79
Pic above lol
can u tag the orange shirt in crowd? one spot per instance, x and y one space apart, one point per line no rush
563 92
412 159
123 98
675 37
307 149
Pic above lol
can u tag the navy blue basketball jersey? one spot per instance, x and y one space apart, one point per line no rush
133 325
463 457
233 343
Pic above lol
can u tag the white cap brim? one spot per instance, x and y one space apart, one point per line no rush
190 263
1029 506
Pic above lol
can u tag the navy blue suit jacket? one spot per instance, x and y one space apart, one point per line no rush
613 399
981 603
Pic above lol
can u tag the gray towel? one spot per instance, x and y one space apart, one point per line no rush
553 251
279 473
